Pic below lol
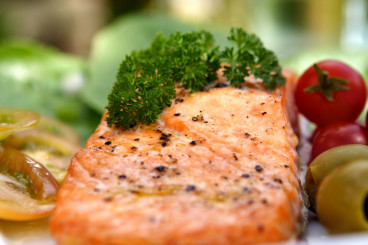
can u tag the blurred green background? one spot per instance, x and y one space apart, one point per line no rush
60 57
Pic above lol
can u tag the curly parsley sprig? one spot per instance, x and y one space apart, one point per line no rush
145 82
249 56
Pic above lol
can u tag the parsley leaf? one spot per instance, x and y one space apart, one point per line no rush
249 56
146 80
193 59
141 92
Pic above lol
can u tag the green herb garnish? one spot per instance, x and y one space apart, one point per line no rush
145 83
249 56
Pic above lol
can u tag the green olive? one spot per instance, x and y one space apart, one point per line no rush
342 198
327 161
15 120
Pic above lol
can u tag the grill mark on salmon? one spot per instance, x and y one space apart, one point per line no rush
218 167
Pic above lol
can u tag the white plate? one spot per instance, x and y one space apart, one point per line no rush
36 233
27 233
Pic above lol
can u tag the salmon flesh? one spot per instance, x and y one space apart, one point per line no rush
218 167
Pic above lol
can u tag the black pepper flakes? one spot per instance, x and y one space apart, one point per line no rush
136 139
108 142
193 142
163 137
198 118
177 114
235 157
190 188
264 113
221 85
102 137
245 176
161 169
247 135
179 100
259 168
107 199
134 148
286 165
277 180
122 176
260 228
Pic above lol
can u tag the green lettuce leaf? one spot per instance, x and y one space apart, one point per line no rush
45 80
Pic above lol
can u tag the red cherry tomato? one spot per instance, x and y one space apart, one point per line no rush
339 133
313 136
346 105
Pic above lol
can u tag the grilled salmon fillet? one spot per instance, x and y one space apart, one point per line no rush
218 167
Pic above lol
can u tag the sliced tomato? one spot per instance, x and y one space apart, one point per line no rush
27 189
16 120
52 151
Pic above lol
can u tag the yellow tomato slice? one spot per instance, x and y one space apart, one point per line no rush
17 204
52 151
16 120
57 128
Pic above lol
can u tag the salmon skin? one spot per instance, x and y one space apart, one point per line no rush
218 167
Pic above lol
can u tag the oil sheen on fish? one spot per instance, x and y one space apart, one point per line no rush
218 167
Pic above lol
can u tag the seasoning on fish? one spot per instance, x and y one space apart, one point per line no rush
238 184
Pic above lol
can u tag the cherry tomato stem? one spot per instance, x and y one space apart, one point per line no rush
346 100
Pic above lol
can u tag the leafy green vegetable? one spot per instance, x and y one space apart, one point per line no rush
250 57
42 79
146 80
